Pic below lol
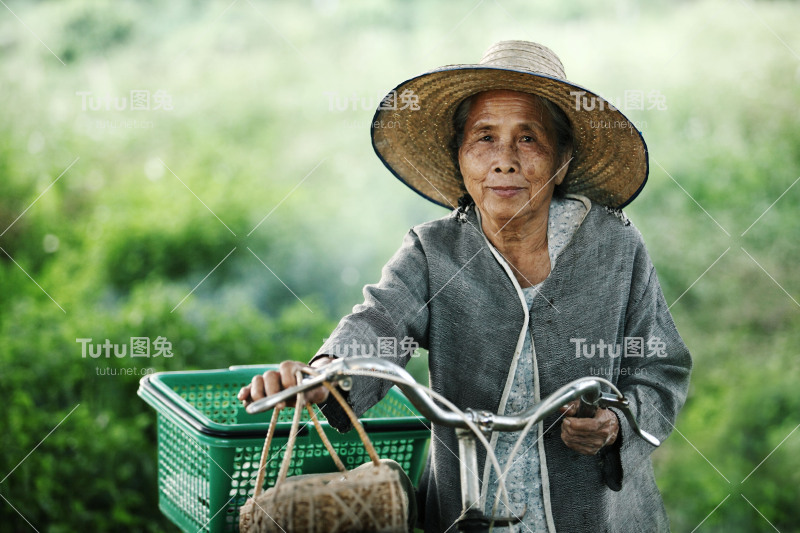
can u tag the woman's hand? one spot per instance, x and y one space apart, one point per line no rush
274 381
588 435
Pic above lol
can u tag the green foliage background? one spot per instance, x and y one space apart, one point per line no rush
255 131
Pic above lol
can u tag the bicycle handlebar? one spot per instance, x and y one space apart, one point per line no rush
340 370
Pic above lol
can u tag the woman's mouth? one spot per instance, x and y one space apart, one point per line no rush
506 191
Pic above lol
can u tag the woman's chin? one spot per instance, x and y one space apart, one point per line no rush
503 213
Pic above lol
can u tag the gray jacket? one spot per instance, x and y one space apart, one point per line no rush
451 291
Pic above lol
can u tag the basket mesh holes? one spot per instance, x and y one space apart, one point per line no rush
186 465
183 475
217 402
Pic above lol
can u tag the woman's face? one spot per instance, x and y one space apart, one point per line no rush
509 158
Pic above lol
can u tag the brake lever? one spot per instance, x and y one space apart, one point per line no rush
611 400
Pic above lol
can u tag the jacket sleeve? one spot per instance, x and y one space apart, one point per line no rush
657 381
393 316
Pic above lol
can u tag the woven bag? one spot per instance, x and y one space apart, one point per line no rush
366 499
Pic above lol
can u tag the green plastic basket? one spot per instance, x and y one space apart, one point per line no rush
209 447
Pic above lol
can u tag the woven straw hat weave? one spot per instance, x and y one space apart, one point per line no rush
412 130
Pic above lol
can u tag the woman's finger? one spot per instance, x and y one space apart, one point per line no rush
570 409
257 388
587 435
583 425
287 370
274 384
244 393
274 381
317 395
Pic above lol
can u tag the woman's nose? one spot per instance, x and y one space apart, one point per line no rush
507 162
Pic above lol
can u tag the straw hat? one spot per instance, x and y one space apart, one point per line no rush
412 130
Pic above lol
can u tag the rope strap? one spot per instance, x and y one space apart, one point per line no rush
263 463
287 458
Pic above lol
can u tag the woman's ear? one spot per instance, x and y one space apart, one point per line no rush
563 166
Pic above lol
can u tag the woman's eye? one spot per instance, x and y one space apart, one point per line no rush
486 138
527 139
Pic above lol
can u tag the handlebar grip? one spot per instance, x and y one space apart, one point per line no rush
585 409
588 403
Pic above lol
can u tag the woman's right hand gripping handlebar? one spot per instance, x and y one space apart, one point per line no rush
273 381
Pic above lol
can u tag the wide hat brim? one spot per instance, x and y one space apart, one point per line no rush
412 134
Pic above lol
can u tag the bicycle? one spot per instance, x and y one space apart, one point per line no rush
470 425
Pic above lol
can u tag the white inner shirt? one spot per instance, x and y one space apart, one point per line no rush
524 479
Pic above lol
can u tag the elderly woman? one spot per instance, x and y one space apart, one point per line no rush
536 278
